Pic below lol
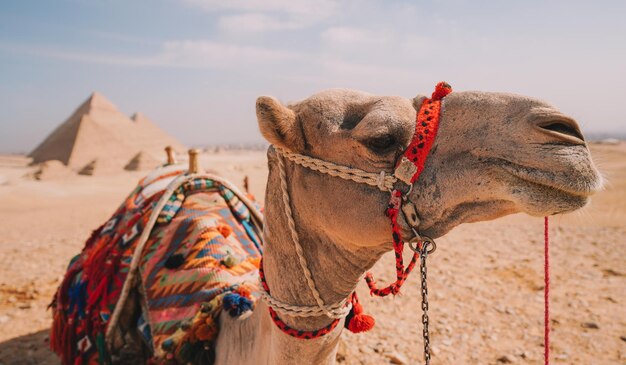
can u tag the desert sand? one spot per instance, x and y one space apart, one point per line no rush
485 280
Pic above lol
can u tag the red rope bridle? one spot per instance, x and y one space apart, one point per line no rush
407 170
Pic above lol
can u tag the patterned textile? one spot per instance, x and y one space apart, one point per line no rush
201 257
204 253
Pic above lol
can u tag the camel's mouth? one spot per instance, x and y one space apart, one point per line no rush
545 192
582 187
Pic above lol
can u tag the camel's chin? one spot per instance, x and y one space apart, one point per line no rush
524 196
542 200
467 212
566 204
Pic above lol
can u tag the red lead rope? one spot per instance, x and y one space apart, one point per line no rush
546 293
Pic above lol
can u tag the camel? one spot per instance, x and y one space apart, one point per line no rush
494 154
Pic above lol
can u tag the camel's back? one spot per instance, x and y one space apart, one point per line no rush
195 250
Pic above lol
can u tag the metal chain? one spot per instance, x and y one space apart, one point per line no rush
423 255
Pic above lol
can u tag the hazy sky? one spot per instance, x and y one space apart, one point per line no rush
195 67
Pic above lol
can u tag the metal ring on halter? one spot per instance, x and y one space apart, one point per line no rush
405 195
410 190
426 243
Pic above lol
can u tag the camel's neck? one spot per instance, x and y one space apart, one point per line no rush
335 268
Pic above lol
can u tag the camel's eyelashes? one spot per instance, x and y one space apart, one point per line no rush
381 143
562 127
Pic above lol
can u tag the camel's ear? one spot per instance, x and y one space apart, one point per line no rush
417 101
278 124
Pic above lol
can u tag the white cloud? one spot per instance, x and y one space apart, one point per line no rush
73 55
180 53
203 53
256 22
301 7
118 37
352 35
245 16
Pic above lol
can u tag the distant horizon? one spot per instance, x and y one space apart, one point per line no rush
255 144
195 67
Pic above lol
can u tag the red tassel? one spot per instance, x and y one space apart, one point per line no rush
357 320
442 89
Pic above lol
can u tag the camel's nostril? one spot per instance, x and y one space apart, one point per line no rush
563 128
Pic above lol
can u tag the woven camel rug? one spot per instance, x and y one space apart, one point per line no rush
201 258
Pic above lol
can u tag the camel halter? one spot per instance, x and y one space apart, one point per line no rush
399 185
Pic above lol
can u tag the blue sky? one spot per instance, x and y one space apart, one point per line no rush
195 67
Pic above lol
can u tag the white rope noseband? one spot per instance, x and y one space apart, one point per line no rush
380 180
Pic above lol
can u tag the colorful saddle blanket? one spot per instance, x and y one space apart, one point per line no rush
200 258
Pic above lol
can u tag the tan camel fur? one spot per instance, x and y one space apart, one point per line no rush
495 154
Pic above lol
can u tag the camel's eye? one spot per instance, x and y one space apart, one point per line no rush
381 144
352 119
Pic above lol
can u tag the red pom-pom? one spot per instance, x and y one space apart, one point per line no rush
357 321
442 89
361 323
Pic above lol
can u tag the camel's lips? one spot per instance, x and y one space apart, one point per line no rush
580 188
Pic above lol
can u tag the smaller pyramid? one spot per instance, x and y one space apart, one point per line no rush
51 170
88 169
100 167
141 161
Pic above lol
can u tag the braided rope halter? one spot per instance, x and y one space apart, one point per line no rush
407 171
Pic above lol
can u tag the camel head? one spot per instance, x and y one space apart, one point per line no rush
494 154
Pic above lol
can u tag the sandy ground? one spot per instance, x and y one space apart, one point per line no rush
485 279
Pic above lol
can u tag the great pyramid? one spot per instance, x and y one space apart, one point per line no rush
98 136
